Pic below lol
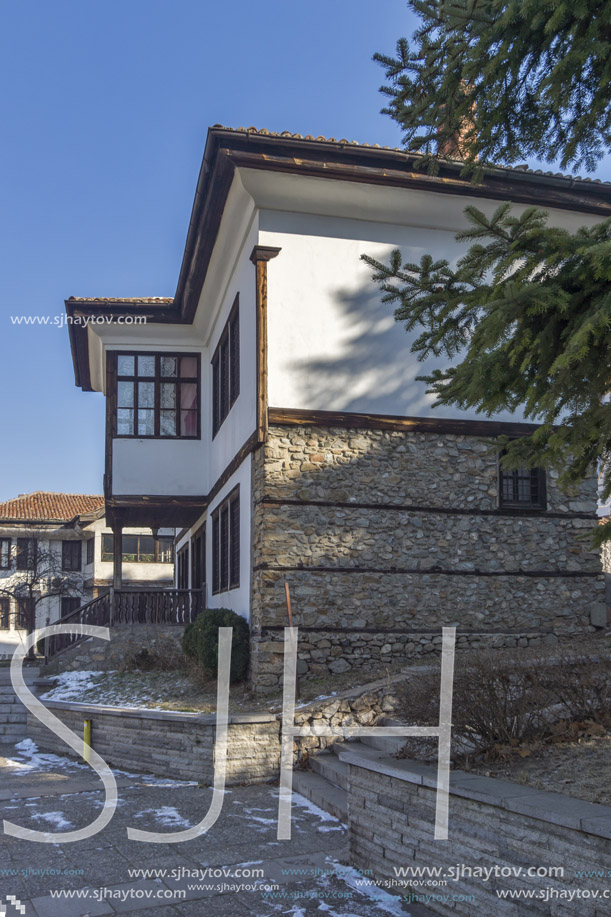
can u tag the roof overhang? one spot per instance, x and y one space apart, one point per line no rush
227 150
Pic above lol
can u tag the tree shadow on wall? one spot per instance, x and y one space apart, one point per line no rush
375 372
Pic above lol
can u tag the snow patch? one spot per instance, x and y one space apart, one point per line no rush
54 818
166 815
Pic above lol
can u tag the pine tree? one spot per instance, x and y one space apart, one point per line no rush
525 315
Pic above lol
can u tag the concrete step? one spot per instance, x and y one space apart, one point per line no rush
323 794
388 744
331 768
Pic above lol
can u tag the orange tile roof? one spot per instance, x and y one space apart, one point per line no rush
42 506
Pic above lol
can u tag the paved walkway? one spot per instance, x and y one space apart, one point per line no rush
299 877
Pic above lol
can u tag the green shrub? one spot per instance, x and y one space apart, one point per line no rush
200 640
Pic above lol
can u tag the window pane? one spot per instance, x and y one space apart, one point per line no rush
107 547
168 395
146 423
165 550
188 423
125 366
188 367
146 394
169 366
125 394
130 548
147 549
125 421
146 366
188 396
167 423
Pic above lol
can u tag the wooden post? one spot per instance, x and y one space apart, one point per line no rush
260 255
117 557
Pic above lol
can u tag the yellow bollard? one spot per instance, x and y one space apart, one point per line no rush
86 739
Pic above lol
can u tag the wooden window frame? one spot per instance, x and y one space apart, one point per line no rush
68 564
156 379
108 556
26 559
8 542
226 544
182 567
90 551
226 369
538 485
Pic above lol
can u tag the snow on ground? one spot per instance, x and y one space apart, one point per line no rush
384 901
29 760
57 819
111 689
166 815
299 800
69 686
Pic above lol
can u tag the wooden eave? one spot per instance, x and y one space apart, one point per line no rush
227 150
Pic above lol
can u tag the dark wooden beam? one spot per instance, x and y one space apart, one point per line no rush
359 421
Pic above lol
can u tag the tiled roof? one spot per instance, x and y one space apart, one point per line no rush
396 149
147 300
42 506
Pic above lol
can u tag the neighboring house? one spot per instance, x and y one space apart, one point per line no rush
68 535
271 410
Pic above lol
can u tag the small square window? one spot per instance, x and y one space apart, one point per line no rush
522 488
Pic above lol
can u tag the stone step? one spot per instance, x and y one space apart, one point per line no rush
323 794
366 751
390 745
331 768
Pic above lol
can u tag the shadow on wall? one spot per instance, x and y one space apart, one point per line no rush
376 371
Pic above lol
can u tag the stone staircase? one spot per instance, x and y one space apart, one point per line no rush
12 712
326 784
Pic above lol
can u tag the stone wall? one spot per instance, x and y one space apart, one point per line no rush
493 825
180 745
169 744
387 536
125 641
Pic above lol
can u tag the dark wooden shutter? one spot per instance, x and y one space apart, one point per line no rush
216 578
234 355
224 540
234 542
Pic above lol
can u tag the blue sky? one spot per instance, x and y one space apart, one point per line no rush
104 111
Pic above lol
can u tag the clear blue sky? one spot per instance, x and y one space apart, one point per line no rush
104 110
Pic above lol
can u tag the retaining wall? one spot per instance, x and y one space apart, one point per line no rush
492 823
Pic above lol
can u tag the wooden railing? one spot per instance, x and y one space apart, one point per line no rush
156 606
95 612
129 606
